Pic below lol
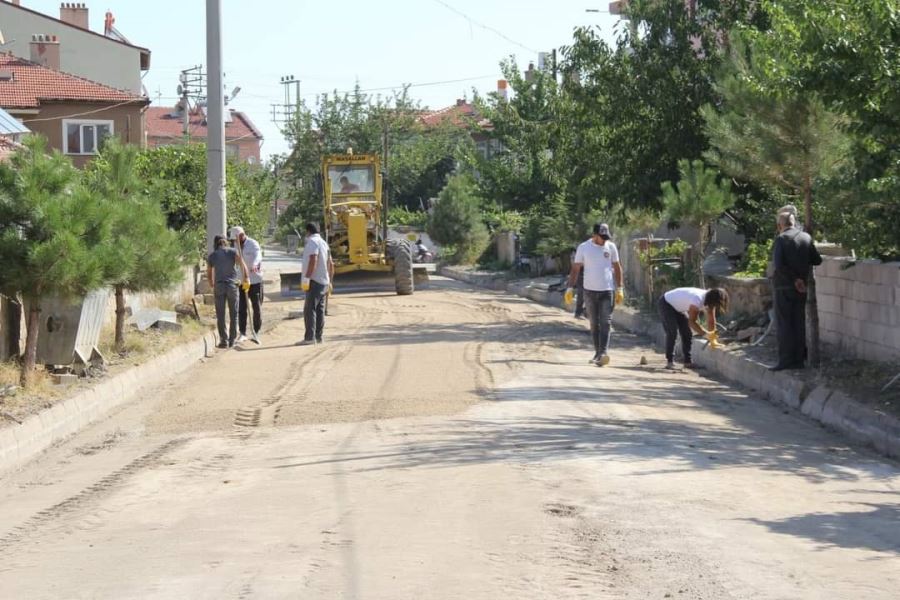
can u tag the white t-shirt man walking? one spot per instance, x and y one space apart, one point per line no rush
598 257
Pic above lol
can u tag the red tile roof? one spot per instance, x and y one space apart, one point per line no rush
461 114
32 83
161 122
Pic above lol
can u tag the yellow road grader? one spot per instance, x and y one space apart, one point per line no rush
356 227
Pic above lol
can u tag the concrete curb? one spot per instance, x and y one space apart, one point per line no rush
20 443
831 408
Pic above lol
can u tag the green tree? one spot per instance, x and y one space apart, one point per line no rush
698 199
417 161
846 54
52 234
787 141
456 219
144 253
521 172
176 176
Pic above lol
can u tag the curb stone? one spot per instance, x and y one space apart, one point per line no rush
815 403
21 442
832 408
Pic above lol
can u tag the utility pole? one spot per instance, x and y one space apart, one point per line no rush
385 200
283 114
191 84
216 211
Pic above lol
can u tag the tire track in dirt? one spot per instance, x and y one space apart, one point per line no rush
41 520
295 386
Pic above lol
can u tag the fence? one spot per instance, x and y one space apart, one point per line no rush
859 307
181 292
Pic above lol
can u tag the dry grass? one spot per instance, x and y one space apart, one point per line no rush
38 394
42 393
142 345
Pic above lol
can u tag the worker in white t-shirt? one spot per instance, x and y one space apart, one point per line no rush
598 257
679 310
318 273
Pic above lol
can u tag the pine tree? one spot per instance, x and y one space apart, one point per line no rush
788 142
697 199
142 254
49 232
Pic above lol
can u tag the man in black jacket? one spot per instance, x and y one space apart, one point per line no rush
794 255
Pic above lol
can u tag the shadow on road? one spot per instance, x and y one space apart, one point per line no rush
874 529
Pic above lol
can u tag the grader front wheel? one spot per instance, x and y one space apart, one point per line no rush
403 267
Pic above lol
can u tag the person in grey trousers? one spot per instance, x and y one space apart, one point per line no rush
318 270
598 259
222 266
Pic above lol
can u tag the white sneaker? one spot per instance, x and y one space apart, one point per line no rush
306 343
604 360
254 337
242 339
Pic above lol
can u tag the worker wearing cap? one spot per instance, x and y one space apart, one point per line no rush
598 257
251 252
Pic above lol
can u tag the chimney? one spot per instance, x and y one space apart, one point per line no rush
460 101
502 89
45 50
74 13
529 74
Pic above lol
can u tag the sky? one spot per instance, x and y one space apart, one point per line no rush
330 45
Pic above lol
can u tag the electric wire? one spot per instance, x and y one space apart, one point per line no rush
488 28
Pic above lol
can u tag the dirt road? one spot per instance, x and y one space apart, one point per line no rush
450 444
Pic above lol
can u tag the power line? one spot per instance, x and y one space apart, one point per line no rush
493 30
405 85
89 112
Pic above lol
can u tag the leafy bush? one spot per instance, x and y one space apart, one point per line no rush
756 260
400 215
456 220
504 220
674 249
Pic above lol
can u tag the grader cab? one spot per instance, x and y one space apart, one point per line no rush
356 221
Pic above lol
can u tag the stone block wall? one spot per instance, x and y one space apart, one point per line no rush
747 296
859 307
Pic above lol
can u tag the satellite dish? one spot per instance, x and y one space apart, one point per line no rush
180 90
235 92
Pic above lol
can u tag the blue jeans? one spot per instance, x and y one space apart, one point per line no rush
599 308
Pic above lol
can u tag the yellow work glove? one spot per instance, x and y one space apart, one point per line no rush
330 288
713 338
245 286
304 284
569 296
620 296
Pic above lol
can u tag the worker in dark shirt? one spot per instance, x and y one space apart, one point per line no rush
794 255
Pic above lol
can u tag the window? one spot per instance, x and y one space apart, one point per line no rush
232 151
85 137
351 179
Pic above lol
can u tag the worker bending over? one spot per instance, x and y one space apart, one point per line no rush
679 310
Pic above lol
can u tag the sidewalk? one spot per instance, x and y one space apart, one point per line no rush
832 408
19 442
